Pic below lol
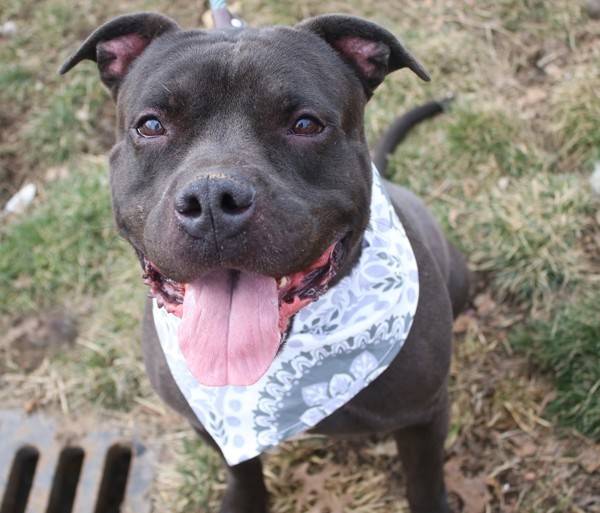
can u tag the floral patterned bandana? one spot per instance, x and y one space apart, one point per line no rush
336 347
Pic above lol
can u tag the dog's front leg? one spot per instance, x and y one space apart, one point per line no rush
421 450
246 491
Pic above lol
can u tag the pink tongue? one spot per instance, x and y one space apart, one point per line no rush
229 331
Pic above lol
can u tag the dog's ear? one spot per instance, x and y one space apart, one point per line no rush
371 50
117 43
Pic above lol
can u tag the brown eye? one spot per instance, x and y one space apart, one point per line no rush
307 126
150 127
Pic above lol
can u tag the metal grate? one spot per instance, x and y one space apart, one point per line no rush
45 470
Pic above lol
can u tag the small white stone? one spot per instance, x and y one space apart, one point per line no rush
21 200
595 179
8 28
236 23
503 183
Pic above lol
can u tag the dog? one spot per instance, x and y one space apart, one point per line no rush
242 179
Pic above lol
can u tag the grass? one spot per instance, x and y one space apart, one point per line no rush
197 461
492 135
527 234
62 249
578 120
65 255
506 172
103 369
567 348
66 122
106 366
13 82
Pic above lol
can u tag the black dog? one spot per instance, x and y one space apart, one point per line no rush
240 154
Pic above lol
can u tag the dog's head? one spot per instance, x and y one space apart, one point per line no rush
241 174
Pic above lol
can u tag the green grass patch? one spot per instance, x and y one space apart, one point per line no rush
65 127
532 15
64 247
567 348
199 469
14 82
519 14
424 163
526 234
485 135
576 114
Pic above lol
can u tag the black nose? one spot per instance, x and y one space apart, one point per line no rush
222 204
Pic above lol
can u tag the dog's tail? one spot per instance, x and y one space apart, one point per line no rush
399 129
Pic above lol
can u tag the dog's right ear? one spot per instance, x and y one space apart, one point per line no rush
117 43
369 49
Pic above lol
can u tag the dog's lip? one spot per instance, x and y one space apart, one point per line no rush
302 283
305 285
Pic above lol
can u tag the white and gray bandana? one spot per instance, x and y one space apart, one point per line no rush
336 347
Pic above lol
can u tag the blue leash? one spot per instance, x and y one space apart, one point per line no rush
221 15
218 4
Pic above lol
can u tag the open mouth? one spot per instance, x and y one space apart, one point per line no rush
232 321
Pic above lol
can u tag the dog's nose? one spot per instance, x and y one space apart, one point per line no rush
220 203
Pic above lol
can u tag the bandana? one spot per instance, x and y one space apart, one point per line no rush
336 347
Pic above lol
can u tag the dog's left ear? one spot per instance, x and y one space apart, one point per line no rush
117 43
371 50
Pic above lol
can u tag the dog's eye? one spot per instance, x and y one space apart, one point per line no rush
150 127
307 126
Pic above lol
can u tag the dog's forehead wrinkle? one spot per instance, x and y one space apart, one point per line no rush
275 51
233 71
